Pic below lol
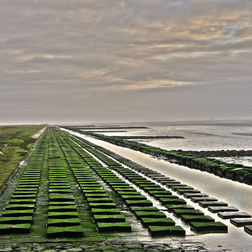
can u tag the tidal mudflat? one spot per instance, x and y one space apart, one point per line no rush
75 191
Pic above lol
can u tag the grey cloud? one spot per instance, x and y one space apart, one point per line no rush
120 59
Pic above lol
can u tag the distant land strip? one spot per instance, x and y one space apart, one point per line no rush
108 127
109 131
242 134
147 137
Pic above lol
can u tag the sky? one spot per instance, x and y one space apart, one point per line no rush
83 61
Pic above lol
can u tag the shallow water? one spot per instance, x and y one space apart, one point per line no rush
196 137
234 193
247 161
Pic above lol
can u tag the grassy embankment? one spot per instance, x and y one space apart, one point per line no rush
15 142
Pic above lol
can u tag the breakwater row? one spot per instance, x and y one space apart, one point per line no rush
218 153
149 137
235 172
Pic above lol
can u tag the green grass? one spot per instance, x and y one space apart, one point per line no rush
15 142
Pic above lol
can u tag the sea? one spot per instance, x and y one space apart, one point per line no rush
211 135
197 136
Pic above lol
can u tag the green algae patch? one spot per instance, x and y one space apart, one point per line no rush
99 200
171 207
94 191
24 196
127 189
209 227
67 208
61 203
109 218
60 190
172 201
138 202
128 193
162 195
25 192
102 205
180 212
114 227
15 220
19 206
196 218
105 211
133 197
166 230
63 222
15 228
63 197
150 214
157 222
187 190
72 231
96 195
152 209
62 215
10 213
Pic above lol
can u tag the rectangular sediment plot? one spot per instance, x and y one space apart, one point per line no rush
18 215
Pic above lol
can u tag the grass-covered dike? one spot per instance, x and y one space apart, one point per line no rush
15 142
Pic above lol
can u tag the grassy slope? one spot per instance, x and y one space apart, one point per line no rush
15 142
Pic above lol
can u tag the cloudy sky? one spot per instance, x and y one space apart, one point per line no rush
133 60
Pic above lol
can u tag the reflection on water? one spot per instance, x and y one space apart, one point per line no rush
247 161
234 193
